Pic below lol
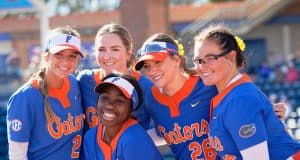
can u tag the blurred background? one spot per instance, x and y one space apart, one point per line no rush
270 28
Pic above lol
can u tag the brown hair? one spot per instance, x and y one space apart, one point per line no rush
163 37
124 35
224 38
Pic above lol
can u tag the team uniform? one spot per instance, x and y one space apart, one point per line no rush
57 138
88 79
182 119
130 143
243 117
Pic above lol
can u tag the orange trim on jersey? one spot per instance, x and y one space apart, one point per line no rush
108 149
136 74
35 84
219 97
296 156
59 93
98 75
172 102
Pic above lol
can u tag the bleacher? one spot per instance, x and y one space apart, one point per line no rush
291 91
9 82
3 134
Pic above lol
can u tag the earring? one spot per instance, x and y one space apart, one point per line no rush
230 64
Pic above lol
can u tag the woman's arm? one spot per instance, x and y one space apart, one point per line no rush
259 151
17 150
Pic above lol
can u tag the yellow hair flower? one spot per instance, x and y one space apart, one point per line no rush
240 42
180 48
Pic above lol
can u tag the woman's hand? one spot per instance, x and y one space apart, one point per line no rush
280 110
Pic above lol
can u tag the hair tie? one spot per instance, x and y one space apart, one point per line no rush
180 48
241 44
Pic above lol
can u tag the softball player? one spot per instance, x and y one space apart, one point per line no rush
45 118
179 102
243 124
118 136
113 52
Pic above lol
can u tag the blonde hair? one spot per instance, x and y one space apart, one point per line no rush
40 75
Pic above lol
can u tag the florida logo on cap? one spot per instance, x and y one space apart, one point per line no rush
125 87
59 42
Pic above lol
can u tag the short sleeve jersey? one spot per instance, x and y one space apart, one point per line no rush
182 119
243 117
88 79
56 138
131 143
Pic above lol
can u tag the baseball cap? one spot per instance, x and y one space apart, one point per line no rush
58 42
157 51
125 87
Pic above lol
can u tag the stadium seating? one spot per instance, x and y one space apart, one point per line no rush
9 82
290 91
3 134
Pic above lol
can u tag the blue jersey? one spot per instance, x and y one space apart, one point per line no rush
131 143
182 119
88 79
243 117
56 138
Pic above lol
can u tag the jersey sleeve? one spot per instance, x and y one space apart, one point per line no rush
83 77
88 148
142 113
140 146
85 152
20 118
244 120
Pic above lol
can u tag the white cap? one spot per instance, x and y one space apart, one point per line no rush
59 42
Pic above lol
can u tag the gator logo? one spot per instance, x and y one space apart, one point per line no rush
247 131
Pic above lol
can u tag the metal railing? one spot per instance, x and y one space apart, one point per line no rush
240 18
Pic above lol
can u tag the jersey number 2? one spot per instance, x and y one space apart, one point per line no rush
76 145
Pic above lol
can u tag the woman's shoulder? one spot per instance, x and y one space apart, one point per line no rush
26 94
135 132
27 89
72 78
86 74
91 133
200 86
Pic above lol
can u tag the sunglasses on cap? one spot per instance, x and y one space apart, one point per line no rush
157 47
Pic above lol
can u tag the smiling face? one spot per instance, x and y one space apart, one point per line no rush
161 73
113 107
213 71
111 53
62 64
